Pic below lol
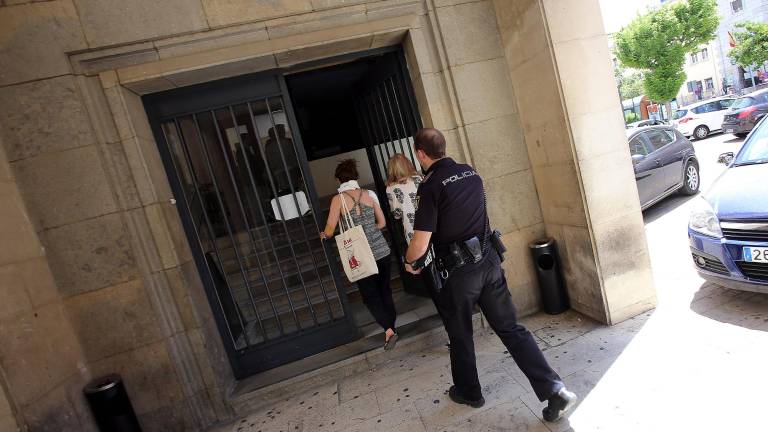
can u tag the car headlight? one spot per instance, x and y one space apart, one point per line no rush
704 220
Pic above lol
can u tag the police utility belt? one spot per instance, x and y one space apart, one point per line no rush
471 251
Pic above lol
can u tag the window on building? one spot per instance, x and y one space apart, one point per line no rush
709 84
695 58
704 54
737 5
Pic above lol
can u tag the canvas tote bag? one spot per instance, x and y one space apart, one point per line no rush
354 250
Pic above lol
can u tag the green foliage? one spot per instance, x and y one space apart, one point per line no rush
632 85
658 41
751 45
630 117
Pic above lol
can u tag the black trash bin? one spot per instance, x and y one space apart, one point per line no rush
547 263
110 405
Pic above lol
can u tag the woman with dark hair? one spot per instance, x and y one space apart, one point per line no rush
364 209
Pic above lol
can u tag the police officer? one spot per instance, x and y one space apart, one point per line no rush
451 215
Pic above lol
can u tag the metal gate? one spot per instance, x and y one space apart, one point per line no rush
239 175
388 117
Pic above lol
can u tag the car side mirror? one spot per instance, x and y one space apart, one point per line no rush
725 158
637 158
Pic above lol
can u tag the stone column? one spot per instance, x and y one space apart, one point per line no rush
558 60
463 88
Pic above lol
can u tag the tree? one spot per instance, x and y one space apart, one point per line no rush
658 41
632 85
751 45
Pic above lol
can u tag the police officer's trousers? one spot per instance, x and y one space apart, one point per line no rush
484 283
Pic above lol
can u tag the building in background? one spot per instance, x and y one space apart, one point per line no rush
732 12
703 75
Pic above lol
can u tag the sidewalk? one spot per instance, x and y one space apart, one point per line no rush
406 391
695 363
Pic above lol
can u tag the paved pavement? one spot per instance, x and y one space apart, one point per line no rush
696 363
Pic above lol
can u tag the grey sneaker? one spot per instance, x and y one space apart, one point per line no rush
561 402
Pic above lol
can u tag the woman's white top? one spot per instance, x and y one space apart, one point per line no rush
402 202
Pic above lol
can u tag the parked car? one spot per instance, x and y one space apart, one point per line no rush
745 112
646 122
665 162
702 118
728 229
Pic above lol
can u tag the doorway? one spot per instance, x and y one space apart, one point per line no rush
362 110
249 161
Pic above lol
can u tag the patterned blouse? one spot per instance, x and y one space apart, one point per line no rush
402 202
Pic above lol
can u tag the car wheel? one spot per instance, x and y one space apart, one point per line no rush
742 134
701 132
691 179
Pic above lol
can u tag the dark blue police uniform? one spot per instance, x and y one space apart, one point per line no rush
451 205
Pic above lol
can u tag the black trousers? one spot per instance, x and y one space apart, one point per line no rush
484 283
377 295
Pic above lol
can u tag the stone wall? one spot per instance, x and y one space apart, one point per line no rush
578 149
42 365
463 88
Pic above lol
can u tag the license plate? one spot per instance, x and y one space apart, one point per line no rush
755 254
729 131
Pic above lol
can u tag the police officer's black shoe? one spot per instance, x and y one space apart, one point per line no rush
453 393
561 402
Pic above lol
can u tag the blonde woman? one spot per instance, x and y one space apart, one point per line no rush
402 183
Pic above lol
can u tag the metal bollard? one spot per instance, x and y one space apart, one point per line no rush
547 263
110 405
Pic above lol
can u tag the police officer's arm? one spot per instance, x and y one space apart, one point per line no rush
418 246
333 218
425 222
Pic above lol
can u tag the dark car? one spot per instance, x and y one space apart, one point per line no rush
745 112
728 229
665 163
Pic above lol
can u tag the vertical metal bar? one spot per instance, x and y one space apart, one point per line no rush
209 227
301 220
266 222
378 129
384 116
371 136
311 190
400 116
394 119
279 210
207 158
241 206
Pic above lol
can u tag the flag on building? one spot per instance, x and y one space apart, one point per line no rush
731 40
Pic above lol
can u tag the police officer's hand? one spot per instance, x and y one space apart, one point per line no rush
409 269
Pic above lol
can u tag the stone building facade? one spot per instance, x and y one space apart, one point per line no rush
97 274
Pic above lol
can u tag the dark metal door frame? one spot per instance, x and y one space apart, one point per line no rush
208 98
226 94
388 114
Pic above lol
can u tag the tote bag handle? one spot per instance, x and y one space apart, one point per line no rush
346 215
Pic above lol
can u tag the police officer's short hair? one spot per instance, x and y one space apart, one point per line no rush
346 170
430 141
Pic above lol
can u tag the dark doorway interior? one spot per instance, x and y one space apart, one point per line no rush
361 110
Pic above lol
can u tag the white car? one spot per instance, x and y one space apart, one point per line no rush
699 119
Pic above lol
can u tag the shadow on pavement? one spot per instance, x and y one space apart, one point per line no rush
733 140
741 308
667 205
